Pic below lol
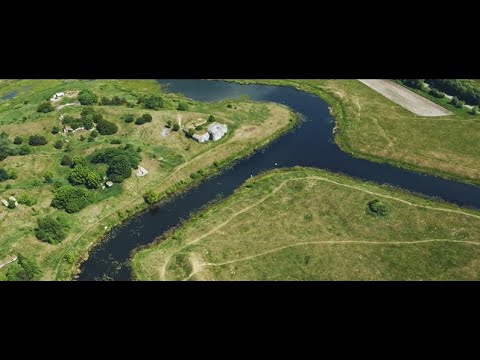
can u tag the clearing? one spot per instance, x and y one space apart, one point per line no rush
309 224
406 98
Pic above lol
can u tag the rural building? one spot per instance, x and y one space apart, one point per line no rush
217 130
141 171
57 96
201 138
4 202
109 184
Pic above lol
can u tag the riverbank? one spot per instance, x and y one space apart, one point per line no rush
310 224
369 126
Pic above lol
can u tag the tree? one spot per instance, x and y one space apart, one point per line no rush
83 175
25 269
182 106
72 199
152 102
55 130
18 140
151 197
147 117
377 208
140 121
87 97
58 144
105 127
24 150
128 118
176 127
105 101
51 230
45 107
66 161
37 140
119 169
211 119
437 93
457 103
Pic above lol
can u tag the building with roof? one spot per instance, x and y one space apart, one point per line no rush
217 130
201 138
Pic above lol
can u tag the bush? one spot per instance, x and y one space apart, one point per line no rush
128 118
18 140
437 93
87 97
105 127
152 102
24 150
169 124
71 199
45 107
26 200
120 161
457 103
182 106
82 175
25 270
466 90
116 141
176 127
69 258
119 169
4 175
51 230
58 144
55 130
37 140
82 138
211 119
140 121
376 207
190 132
66 161
48 177
151 197
94 134
199 127
474 110
147 117
414 83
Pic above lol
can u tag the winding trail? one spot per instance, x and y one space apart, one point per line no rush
163 272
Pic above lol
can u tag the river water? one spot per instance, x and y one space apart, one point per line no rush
310 144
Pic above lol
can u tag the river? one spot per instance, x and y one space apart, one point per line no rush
310 144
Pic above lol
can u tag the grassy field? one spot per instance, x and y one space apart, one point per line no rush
371 126
309 224
170 160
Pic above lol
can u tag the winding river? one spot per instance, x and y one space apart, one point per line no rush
311 144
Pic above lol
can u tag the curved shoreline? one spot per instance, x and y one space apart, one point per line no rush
169 195
340 116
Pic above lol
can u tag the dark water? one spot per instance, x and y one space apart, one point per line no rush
9 95
311 144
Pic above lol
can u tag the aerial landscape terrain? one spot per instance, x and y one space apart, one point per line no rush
239 179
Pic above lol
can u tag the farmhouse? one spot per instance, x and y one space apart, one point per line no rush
141 171
217 130
202 138
57 96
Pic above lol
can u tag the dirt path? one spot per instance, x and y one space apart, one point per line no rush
200 267
406 98
8 260
319 178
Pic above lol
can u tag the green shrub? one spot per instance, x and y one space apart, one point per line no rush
37 140
26 200
211 119
87 97
55 130
457 103
147 117
24 150
25 270
58 144
52 230
151 102
169 124
83 175
48 177
115 141
71 199
105 127
69 258
45 107
18 140
151 197
377 208
182 106
120 161
128 118
66 161
4 175
140 121
437 93
176 127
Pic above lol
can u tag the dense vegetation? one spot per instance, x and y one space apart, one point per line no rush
120 161
114 101
45 107
51 229
105 127
83 175
26 269
153 102
145 118
378 208
466 90
72 198
37 140
87 97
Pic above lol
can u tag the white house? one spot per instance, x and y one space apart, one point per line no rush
57 96
202 138
217 130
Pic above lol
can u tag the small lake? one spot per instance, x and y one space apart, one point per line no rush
9 95
310 144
